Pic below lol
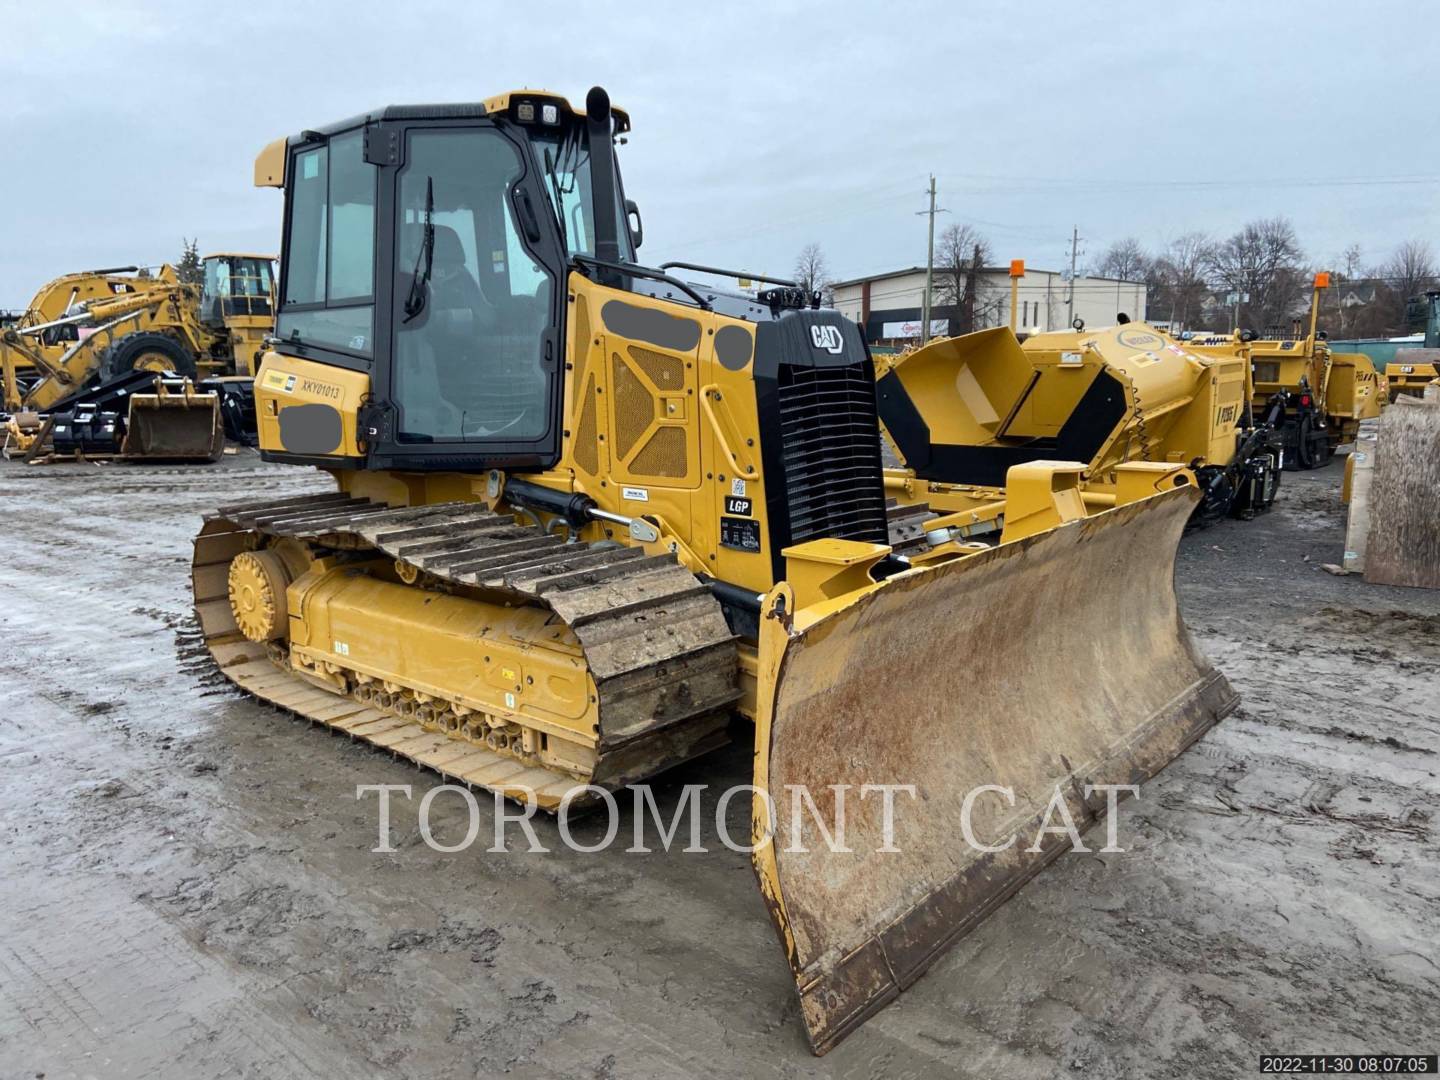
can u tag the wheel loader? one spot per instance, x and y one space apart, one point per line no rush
79 367
963 413
586 512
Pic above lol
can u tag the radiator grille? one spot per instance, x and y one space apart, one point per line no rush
830 448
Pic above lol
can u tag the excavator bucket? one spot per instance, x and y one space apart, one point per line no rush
179 425
1053 663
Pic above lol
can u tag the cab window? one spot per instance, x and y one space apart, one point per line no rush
471 305
330 254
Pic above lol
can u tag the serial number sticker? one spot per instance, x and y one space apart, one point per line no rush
742 534
1349 1064
280 380
317 388
635 494
737 506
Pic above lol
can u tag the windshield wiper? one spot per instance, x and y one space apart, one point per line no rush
415 302
558 195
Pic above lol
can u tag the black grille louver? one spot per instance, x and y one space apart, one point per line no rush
815 391
830 453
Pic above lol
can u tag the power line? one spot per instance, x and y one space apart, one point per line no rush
1247 182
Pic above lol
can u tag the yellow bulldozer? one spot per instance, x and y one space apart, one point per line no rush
102 362
1125 403
587 511
1325 394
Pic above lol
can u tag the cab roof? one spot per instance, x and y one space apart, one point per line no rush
270 163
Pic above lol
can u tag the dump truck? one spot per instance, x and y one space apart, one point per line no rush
962 413
73 362
586 512
1326 394
1414 369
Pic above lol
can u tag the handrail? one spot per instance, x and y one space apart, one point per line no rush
737 274
636 270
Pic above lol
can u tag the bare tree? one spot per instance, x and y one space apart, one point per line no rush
811 272
1349 263
1124 260
1263 265
1335 307
1178 279
961 253
1410 270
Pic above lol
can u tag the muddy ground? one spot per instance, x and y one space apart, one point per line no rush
188 888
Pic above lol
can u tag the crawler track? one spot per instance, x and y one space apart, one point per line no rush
656 644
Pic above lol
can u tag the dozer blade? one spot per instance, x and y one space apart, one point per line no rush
1055 662
174 427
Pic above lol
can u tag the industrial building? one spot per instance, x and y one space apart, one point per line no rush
888 306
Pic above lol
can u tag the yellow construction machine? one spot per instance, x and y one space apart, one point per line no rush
1325 394
967 415
586 511
1413 370
96 350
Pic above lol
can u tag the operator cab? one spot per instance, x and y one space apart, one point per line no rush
237 286
429 247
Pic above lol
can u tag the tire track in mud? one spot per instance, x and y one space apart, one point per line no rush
1277 890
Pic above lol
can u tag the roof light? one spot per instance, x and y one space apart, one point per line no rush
550 114
525 112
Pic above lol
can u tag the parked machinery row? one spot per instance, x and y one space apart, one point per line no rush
1325 394
109 361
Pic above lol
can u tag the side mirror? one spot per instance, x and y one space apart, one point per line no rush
634 224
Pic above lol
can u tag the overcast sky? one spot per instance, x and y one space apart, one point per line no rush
757 129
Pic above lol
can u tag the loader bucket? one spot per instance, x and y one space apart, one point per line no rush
1059 661
174 426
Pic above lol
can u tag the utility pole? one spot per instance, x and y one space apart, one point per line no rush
929 268
1074 252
